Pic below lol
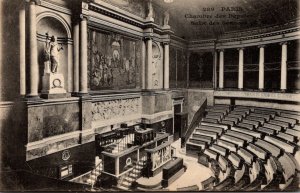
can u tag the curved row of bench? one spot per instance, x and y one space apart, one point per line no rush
249 148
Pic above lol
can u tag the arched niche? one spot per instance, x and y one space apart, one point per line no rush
54 25
157 62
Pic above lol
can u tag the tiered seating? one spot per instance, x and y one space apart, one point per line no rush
250 148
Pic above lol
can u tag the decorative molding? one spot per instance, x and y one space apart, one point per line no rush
55 6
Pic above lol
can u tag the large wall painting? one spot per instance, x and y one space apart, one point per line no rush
114 61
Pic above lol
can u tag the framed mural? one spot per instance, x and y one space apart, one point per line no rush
114 61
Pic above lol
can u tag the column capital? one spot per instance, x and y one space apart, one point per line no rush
241 48
261 46
166 43
283 43
84 17
220 50
36 2
146 38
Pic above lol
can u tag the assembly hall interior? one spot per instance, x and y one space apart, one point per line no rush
140 95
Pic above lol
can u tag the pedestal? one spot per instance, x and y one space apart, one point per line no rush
53 86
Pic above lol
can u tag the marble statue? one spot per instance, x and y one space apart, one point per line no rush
150 9
166 18
51 57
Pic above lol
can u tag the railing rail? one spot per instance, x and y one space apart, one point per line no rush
195 121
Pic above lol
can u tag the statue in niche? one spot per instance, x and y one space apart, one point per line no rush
51 53
200 65
166 18
150 9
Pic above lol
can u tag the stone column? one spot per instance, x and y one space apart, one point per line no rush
117 167
144 65
261 67
33 56
83 56
283 76
166 66
215 60
241 68
221 69
76 57
22 35
149 70
187 70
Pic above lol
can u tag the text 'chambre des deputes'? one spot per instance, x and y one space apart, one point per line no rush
219 16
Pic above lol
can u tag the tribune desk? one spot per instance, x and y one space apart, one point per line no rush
115 165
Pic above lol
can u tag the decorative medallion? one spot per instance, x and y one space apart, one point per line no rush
56 83
66 155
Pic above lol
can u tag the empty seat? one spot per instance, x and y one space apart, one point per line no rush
251 122
215 125
292 122
217 130
264 112
289 115
221 115
235 120
221 150
217 111
284 125
204 138
261 120
195 148
259 152
215 117
246 155
235 140
287 147
228 145
240 113
207 133
239 117
267 131
287 137
288 166
293 132
265 116
237 134
235 159
211 154
272 126
246 131
273 149
207 120
197 141
226 122
246 125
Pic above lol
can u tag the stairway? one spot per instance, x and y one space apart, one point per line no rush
133 175
92 178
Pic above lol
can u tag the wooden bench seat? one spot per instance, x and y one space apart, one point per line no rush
217 130
211 154
289 115
243 136
287 137
273 149
273 174
225 127
259 152
228 145
239 113
239 142
264 112
220 150
207 120
284 125
226 122
274 127
235 120
198 141
261 120
266 117
194 148
296 127
218 118
235 159
288 166
251 122
246 131
221 115
207 133
287 147
246 155
239 117
290 112
204 138
292 122
241 178
246 125
217 111
293 132
267 131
